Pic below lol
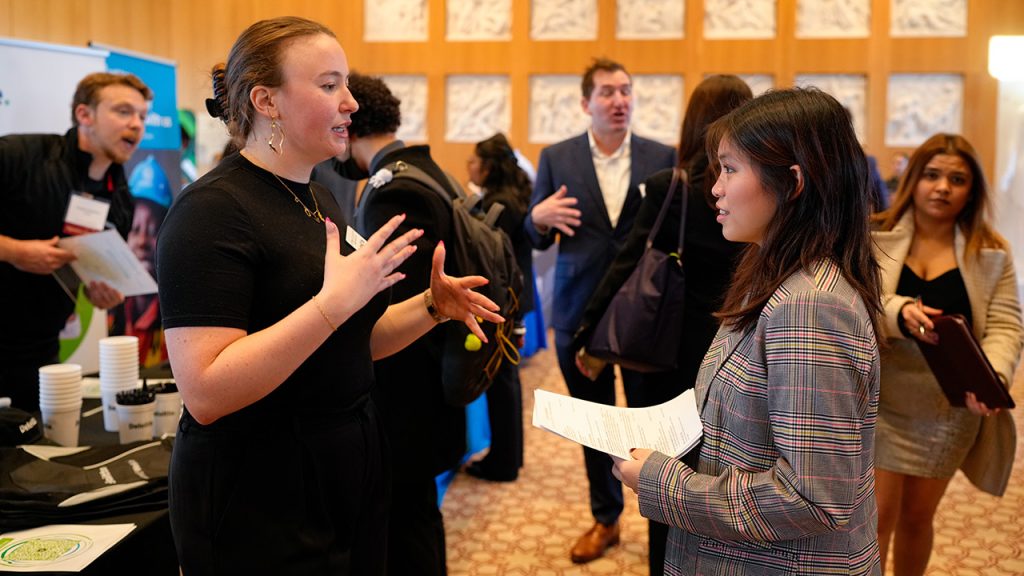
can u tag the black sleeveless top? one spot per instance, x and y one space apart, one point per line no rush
946 292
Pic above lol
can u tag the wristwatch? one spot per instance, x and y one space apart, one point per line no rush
428 299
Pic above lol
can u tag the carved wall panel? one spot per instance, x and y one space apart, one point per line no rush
477 107
395 20
920 105
479 20
412 92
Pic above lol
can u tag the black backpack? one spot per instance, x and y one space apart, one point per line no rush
478 248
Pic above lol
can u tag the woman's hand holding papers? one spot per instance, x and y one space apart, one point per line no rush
628 471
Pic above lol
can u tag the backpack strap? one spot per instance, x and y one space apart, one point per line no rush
402 169
493 213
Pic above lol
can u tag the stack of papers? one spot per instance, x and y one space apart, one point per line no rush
672 428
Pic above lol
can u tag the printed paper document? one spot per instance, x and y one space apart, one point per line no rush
58 548
671 428
104 256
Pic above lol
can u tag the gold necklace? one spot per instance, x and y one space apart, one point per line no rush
314 214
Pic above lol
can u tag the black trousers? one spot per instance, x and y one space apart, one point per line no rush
641 390
292 498
416 542
505 412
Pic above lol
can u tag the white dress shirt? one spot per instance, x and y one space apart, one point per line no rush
612 174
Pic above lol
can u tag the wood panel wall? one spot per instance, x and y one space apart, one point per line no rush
198 33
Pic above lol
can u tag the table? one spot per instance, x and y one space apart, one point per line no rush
149 549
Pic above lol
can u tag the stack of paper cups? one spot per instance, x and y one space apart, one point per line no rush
119 370
60 401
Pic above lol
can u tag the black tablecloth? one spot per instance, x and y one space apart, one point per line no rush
149 549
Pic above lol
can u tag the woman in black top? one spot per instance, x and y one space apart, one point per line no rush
707 263
939 255
272 324
493 167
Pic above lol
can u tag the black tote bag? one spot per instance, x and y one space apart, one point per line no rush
641 328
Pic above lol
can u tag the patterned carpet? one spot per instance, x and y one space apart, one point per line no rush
526 528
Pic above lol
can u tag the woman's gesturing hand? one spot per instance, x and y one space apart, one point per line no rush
455 298
351 281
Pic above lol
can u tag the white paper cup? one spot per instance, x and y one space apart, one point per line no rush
60 397
135 421
119 342
166 414
61 370
61 423
109 397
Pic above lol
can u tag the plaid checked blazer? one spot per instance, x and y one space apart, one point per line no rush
785 479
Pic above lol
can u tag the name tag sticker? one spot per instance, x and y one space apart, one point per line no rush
85 214
353 238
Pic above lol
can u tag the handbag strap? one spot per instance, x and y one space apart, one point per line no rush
677 175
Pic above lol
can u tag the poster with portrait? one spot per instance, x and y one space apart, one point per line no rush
154 177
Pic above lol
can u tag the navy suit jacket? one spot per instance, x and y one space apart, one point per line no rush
584 258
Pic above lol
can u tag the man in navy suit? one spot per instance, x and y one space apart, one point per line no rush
587 192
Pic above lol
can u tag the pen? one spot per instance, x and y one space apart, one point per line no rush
920 306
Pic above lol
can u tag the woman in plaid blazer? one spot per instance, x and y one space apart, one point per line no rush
788 392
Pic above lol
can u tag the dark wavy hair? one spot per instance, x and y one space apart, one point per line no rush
713 98
827 218
379 111
974 218
504 176
254 60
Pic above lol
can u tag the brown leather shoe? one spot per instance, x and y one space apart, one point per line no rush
594 542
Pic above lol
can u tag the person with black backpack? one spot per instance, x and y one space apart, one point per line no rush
426 432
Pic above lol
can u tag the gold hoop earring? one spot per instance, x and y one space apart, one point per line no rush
275 128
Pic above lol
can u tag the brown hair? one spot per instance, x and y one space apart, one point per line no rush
828 219
254 60
713 98
88 90
973 219
604 65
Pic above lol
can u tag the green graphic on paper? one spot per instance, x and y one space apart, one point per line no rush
84 310
43 549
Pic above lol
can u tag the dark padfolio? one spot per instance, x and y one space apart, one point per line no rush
640 329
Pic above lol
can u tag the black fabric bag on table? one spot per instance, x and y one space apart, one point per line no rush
641 328
95 482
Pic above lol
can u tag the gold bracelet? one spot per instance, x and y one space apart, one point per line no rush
428 299
324 314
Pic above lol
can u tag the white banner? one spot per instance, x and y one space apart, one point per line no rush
37 84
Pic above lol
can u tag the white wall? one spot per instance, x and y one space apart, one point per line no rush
1008 181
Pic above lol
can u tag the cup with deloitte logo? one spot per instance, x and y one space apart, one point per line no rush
119 371
135 412
60 402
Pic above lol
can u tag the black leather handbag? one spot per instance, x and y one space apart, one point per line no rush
641 328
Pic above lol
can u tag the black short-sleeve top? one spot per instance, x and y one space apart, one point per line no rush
237 251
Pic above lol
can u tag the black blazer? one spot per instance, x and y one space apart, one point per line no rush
584 258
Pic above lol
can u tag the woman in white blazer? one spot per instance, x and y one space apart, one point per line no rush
939 255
